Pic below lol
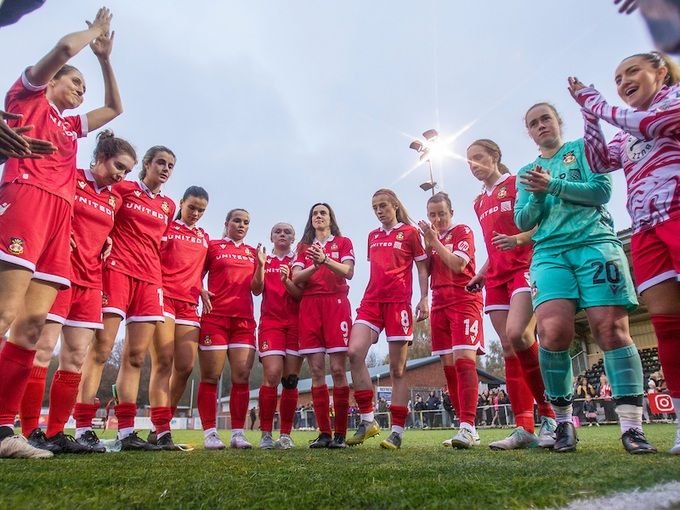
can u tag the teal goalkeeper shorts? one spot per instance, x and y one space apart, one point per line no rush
592 275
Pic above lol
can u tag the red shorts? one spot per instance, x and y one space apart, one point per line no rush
498 296
458 327
78 307
325 324
278 339
35 232
182 312
221 333
656 254
395 318
132 299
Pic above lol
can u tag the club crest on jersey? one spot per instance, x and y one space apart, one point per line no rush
334 246
400 236
166 207
502 192
16 246
534 290
112 201
463 246
137 193
568 158
207 340
247 252
264 346
223 246
105 299
199 232
82 184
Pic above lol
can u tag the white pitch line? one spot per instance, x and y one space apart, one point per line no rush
658 497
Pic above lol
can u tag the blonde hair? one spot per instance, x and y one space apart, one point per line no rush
494 151
402 213
659 59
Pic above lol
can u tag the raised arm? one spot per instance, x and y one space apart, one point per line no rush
113 105
644 125
67 47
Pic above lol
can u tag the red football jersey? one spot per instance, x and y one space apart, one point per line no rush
140 224
391 254
325 281
94 211
55 173
183 253
448 287
278 306
230 269
495 210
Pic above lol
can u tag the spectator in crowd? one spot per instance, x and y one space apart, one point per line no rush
448 408
504 412
604 392
482 407
382 412
590 411
253 417
433 404
583 388
418 409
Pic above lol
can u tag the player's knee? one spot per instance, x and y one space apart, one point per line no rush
289 382
397 372
210 379
163 364
7 317
355 356
136 359
42 358
75 360
29 329
611 335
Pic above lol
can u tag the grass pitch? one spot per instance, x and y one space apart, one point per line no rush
423 474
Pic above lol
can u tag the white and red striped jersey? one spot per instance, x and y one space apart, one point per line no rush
279 308
54 173
324 281
391 255
183 253
140 225
495 211
230 267
94 211
647 148
448 287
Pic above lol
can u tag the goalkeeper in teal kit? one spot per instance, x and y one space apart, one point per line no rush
578 263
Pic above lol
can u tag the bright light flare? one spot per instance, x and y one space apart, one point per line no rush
436 149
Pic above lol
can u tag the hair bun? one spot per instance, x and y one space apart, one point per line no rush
103 135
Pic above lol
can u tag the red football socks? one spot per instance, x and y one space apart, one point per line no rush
667 329
63 394
452 386
238 405
289 398
468 383
534 380
31 403
321 403
206 402
364 400
521 399
341 407
267 401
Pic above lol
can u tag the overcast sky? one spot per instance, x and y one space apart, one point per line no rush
272 106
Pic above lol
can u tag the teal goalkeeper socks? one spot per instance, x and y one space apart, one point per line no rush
624 370
557 374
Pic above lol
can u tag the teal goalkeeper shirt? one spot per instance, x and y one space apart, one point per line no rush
572 213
